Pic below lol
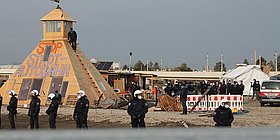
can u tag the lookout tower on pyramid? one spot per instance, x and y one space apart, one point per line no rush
53 65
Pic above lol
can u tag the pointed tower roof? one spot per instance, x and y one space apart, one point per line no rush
57 14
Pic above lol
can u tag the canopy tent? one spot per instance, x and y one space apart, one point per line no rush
246 74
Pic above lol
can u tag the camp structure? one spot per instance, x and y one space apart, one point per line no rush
246 73
54 65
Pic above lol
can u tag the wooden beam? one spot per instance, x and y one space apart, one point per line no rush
200 99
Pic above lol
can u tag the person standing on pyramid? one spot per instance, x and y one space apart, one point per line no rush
72 37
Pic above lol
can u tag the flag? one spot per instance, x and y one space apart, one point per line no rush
55 1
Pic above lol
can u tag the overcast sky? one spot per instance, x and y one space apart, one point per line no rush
176 30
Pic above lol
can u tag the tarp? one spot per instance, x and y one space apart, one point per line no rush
246 74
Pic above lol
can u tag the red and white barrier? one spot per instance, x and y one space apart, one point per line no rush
214 101
236 102
191 101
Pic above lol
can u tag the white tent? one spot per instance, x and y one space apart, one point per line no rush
246 74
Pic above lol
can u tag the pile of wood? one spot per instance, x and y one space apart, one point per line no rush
168 103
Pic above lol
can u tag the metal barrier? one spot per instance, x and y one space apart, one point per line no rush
236 102
213 102
192 99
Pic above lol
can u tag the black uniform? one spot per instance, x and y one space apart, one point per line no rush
81 112
213 90
137 108
241 88
229 88
52 112
256 89
72 37
169 89
183 98
177 88
255 86
0 110
12 108
223 89
204 87
223 117
58 96
34 110
235 90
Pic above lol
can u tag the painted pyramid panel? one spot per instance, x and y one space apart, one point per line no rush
53 65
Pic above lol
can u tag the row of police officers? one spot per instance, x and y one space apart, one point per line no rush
137 109
80 112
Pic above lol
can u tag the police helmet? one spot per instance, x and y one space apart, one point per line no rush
137 92
12 92
51 96
81 93
35 92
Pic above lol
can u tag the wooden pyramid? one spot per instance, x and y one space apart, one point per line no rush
54 65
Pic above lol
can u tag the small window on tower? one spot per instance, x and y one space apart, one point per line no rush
47 53
48 26
58 26
67 26
53 26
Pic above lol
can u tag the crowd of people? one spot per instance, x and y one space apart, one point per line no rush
216 88
223 115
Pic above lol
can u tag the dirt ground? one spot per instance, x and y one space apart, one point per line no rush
257 116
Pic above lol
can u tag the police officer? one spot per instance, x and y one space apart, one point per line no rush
52 110
235 90
213 89
256 88
81 110
0 109
72 37
223 88
204 87
34 109
177 87
12 108
169 89
223 115
241 88
229 86
183 98
137 108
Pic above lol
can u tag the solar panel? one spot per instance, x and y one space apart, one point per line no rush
104 65
100 65
107 66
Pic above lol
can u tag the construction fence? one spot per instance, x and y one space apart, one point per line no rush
209 103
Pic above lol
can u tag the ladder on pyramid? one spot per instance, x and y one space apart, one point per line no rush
94 82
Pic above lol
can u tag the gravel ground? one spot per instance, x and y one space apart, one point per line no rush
257 116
